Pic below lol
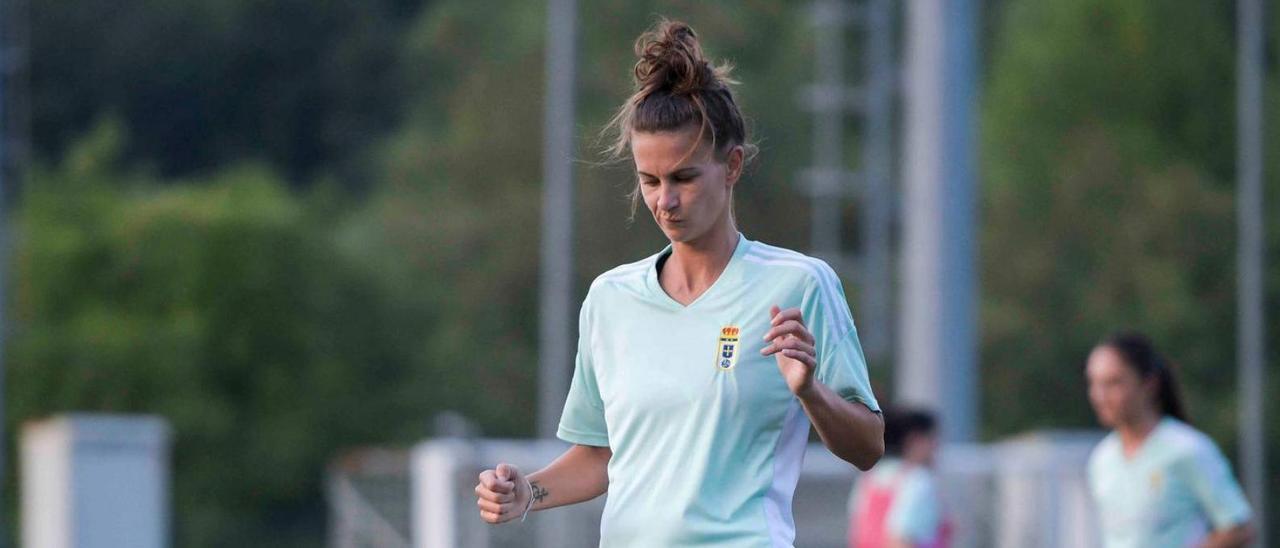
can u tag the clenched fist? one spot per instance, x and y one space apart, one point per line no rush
502 494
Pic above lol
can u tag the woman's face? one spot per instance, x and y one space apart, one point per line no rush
920 447
1116 392
688 192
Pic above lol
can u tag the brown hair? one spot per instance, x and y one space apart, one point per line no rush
1140 354
676 87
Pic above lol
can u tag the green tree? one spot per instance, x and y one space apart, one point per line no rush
224 305
304 87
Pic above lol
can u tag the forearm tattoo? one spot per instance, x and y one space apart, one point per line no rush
539 492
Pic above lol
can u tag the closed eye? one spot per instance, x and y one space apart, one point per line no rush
685 175
681 176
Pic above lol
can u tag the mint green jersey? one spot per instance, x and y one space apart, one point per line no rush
707 440
1172 492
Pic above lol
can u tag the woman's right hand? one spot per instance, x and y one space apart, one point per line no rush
502 494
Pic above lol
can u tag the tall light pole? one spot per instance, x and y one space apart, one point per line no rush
937 335
1251 292
555 316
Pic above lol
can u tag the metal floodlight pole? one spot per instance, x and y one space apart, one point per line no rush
937 337
877 284
1251 291
555 318
556 277
8 61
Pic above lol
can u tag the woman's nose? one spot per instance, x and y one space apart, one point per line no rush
667 197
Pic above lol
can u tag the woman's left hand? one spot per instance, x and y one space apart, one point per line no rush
791 343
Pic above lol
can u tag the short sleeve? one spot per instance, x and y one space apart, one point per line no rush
1210 479
841 364
914 515
582 421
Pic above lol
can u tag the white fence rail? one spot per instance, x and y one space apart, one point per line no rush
1026 491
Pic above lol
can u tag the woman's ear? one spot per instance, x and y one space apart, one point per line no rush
736 157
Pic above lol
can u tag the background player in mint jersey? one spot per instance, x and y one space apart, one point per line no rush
701 368
898 504
1156 481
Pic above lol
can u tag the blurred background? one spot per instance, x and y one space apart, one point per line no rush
308 235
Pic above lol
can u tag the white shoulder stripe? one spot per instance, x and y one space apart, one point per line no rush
828 283
627 269
823 270
624 273
833 318
626 277
775 250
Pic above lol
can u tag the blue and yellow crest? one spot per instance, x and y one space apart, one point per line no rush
727 348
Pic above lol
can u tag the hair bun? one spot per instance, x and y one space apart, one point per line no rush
671 59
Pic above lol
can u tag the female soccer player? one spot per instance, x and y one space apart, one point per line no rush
897 505
1156 480
700 368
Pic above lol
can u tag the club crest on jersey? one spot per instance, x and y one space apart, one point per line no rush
727 348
